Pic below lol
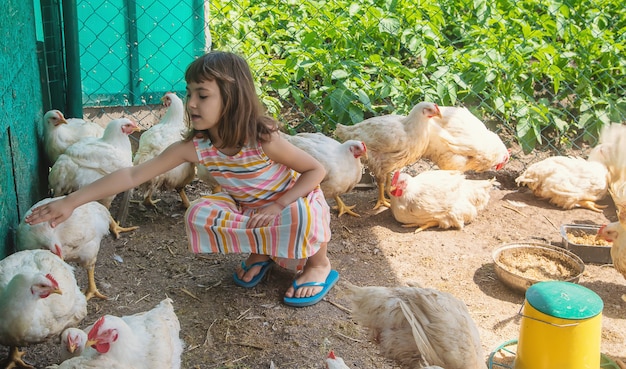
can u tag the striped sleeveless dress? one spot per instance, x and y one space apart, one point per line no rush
216 223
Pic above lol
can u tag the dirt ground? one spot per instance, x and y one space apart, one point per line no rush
225 326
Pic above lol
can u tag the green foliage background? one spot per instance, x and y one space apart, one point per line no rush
549 73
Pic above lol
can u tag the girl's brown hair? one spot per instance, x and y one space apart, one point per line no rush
243 117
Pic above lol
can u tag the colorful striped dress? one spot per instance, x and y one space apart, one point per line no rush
216 223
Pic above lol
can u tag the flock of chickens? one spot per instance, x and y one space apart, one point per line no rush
40 298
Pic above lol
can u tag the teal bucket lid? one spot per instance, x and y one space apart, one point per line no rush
564 300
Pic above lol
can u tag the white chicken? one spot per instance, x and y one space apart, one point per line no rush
568 182
39 298
335 362
60 133
393 142
146 340
341 161
75 240
438 198
92 362
156 139
458 140
90 159
418 327
615 232
74 343
613 143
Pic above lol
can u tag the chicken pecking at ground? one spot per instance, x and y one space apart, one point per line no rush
90 159
568 182
613 151
156 139
75 240
146 340
438 198
39 298
60 133
418 327
341 161
458 140
393 142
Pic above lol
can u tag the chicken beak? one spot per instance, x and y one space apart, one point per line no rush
56 290
137 129
91 342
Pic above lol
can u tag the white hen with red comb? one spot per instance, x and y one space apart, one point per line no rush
39 298
91 159
159 137
146 340
75 240
438 198
60 133
335 362
341 161
393 142
458 140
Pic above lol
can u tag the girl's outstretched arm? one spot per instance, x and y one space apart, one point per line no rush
121 180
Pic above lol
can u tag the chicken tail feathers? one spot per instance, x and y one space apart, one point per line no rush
426 349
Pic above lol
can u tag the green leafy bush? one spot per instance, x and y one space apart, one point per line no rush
551 73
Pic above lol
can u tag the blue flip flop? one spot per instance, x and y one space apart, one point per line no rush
331 280
265 266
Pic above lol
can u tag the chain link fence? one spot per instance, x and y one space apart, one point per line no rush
544 75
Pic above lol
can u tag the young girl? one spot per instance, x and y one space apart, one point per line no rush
270 205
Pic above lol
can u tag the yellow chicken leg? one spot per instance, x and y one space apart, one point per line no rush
183 197
92 289
588 204
382 201
117 229
148 201
14 360
343 208
422 227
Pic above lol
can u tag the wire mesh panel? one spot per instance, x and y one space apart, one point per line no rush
542 74
132 52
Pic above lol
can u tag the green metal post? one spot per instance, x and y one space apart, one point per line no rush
53 46
74 103
133 53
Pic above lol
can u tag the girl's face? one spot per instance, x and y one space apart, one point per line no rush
204 104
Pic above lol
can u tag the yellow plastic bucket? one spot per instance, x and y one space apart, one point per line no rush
560 327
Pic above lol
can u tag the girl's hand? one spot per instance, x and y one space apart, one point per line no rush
264 216
56 212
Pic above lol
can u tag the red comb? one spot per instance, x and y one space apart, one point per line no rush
331 355
96 327
394 180
54 281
